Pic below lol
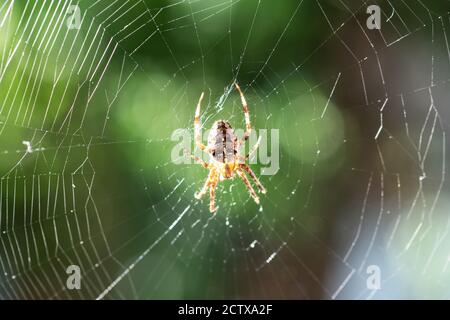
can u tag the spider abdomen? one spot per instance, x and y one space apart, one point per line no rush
222 142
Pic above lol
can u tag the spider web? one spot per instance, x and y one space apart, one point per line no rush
87 179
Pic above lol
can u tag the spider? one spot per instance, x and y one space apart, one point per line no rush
224 158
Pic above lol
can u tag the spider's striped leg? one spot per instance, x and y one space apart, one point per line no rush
248 185
212 193
197 125
248 125
202 192
197 159
253 150
254 177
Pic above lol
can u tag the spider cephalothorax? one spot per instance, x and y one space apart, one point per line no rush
223 149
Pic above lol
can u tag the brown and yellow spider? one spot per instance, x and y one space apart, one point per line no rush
223 149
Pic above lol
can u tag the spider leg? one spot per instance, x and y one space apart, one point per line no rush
248 185
197 159
248 126
202 192
197 125
212 193
252 151
254 177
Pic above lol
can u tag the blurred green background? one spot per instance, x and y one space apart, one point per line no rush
99 104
